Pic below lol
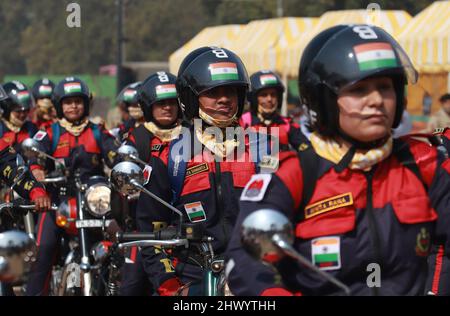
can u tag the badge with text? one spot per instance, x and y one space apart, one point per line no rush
197 169
256 187
329 204
195 212
326 253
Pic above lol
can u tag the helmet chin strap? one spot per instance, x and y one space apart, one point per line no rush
216 122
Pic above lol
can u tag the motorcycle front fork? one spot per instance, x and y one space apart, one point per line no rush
85 265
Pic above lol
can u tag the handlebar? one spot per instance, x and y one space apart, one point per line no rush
163 234
54 180
28 207
162 243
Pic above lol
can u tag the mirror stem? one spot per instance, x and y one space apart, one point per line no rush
141 188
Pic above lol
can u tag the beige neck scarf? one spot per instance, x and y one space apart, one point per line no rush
166 135
222 149
362 160
75 130
14 125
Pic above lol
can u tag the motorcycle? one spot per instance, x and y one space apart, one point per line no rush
17 249
84 210
128 178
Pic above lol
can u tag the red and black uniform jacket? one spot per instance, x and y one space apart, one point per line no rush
15 139
385 216
27 188
126 128
289 132
81 152
214 185
141 137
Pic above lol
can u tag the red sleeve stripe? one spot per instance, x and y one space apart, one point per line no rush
133 254
437 270
41 224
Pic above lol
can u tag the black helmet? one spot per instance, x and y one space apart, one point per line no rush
43 88
18 98
71 87
158 86
343 55
128 95
262 80
206 68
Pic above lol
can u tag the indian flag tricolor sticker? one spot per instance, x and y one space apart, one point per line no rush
23 95
166 91
326 253
375 55
195 212
72 87
129 94
224 71
268 79
45 90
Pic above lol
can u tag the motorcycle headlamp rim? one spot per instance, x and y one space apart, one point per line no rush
92 201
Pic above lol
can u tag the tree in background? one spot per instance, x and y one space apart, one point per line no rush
155 29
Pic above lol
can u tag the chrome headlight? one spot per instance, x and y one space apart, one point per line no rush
98 198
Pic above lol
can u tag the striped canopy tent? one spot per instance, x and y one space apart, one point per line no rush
426 39
391 20
260 42
221 36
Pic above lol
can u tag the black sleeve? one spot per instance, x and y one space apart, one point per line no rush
109 149
439 260
296 137
9 171
151 215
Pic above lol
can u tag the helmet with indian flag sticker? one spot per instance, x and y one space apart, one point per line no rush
158 86
71 87
18 98
206 68
343 55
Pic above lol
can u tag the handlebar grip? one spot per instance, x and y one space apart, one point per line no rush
163 234
124 237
